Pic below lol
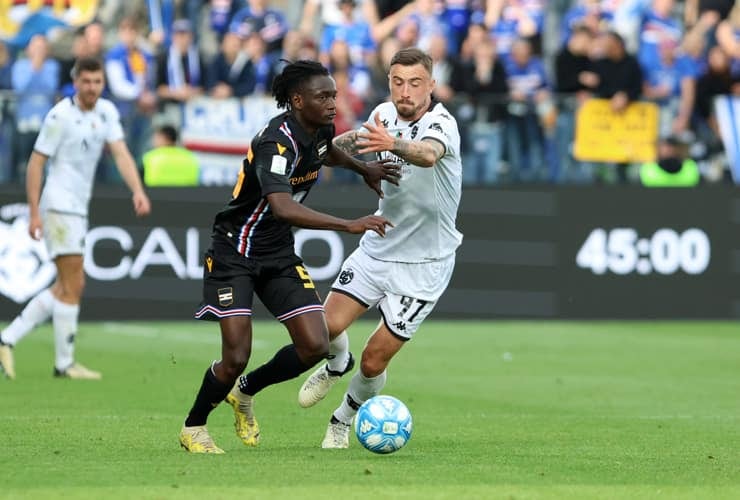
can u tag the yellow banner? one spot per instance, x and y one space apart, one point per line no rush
605 136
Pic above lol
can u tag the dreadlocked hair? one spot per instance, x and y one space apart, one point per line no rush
293 76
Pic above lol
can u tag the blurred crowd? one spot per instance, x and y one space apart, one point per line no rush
514 72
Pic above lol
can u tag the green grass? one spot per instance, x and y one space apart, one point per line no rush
510 410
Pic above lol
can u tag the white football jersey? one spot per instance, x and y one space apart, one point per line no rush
423 207
73 140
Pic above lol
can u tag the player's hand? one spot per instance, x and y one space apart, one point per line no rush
142 206
35 227
385 169
369 223
375 139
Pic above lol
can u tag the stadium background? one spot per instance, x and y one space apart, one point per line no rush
548 253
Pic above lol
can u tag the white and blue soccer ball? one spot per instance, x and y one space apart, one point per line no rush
383 424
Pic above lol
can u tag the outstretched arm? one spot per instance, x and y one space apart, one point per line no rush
372 171
285 208
424 153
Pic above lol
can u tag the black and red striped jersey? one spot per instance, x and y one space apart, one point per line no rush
282 157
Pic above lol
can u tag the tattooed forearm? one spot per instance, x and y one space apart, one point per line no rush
347 142
422 153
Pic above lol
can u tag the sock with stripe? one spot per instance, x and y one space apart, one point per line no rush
64 318
338 353
361 388
285 365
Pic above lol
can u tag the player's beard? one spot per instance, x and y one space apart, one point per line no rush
409 111
88 99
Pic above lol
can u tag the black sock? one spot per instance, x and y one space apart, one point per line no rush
212 392
285 365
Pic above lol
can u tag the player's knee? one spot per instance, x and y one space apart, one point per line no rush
234 364
371 364
314 349
334 324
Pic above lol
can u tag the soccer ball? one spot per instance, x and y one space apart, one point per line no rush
383 424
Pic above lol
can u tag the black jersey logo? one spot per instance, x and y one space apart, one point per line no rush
345 277
414 131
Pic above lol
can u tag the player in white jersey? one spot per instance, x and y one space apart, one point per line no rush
405 273
71 141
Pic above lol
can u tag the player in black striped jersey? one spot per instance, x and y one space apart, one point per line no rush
252 250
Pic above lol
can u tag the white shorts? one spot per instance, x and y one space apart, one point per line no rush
404 293
64 234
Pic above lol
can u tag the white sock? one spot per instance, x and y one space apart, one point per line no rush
361 388
338 353
65 329
36 312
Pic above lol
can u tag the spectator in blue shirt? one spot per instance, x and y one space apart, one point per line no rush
528 91
270 23
35 79
354 32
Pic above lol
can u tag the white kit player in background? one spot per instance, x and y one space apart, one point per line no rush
404 273
71 139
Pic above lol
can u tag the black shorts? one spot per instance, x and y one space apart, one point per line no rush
230 281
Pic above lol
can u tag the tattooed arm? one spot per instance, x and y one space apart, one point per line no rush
424 153
347 142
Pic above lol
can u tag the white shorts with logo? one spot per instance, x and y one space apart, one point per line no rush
64 234
404 293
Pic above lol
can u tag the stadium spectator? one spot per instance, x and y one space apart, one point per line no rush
258 17
252 251
529 91
584 13
180 70
161 14
619 80
349 108
331 13
230 73
71 142
671 84
510 20
619 73
456 15
169 164
130 73
483 79
426 17
718 80
35 79
574 81
477 34
444 68
379 71
297 46
694 10
728 37
7 120
673 167
404 273
659 26
262 65
359 76
355 32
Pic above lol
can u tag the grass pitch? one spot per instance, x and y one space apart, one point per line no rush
501 410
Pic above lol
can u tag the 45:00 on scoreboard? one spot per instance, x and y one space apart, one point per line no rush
623 251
